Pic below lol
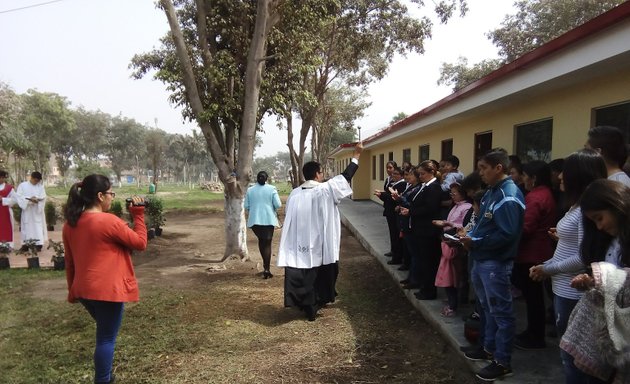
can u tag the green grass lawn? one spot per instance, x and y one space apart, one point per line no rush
174 197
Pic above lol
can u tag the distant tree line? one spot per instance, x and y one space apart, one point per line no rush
37 126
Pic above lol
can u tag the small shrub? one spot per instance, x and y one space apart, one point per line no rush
17 213
51 213
155 211
59 250
116 208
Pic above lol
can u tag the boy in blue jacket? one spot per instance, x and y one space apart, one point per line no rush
492 245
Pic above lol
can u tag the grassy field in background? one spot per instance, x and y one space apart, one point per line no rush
174 197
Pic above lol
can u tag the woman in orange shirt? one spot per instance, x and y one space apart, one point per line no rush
99 270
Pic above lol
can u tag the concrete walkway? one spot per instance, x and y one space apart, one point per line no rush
365 220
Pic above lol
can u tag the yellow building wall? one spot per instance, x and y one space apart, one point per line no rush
571 108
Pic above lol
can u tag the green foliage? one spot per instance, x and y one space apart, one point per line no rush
47 124
5 249
460 74
58 249
116 208
29 248
397 117
125 147
155 145
334 120
17 213
539 21
91 133
535 23
50 211
87 167
155 211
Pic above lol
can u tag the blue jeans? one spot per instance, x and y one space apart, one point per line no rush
108 316
491 280
563 308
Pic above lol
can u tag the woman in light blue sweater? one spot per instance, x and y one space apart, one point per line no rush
262 201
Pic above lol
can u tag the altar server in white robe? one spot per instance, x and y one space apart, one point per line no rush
31 197
311 235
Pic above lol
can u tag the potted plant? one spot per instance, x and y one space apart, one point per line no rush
5 249
30 249
58 259
155 212
51 215
116 208
17 215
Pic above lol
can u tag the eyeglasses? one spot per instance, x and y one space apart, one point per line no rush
110 193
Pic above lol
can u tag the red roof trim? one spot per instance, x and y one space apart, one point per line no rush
591 27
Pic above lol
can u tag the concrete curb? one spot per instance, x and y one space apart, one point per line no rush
364 219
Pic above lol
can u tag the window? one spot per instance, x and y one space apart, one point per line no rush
423 153
373 167
391 156
381 166
533 140
447 148
615 115
406 156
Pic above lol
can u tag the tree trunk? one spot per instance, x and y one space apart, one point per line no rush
234 172
235 229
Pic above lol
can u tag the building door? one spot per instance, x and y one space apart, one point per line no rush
483 145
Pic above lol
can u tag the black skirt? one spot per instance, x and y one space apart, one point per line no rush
312 286
263 232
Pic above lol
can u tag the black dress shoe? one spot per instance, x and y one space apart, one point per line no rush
394 262
425 296
267 275
403 268
410 286
389 254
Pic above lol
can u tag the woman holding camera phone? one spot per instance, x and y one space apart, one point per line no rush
99 270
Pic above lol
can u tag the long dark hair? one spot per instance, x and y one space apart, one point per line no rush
83 195
614 197
540 170
580 169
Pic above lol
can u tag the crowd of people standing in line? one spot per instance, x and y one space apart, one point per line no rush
536 230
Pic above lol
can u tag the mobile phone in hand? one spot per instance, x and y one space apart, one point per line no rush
451 237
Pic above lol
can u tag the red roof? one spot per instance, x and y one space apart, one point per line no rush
591 27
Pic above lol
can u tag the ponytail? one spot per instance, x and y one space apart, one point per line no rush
83 195
74 205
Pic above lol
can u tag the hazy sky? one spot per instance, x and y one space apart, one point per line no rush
81 49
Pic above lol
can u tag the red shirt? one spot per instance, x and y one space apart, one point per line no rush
98 256
540 214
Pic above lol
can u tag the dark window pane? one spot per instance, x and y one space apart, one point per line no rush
373 167
406 155
423 153
447 148
616 116
533 140
381 166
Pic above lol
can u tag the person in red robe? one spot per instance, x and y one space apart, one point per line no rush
6 214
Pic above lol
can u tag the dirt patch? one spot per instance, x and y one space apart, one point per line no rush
237 330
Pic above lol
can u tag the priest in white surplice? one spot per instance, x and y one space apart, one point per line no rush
311 234
31 197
